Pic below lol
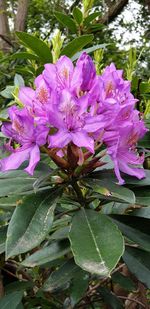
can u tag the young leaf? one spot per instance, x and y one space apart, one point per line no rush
66 21
98 245
78 16
47 254
77 44
7 92
89 50
31 222
39 47
60 277
138 262
18 80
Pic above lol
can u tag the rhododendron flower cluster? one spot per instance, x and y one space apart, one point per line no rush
69 114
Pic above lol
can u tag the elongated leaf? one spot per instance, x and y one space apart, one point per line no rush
143 212
98 245
113 301
123 281
138 262
60 277
11 300
142 196
25 55
39 47
91 17
77 44
89 50
79 286
66 21
111 191
31 222
77 14
7 92
129 180
18 286
134 228
61 233
47 254
3 232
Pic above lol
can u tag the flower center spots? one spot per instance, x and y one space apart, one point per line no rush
109 87
133 139
17 126
65 73
43 95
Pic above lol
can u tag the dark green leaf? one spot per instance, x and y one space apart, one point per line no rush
61 233
111 191
134 228
98 245
109 298
18 286
60 277
142 196
47 254
143 212
123 281
25 55
3 232
91 17
79 286
66 21
39 47
138 262
31 222
77 44
77 14
11 300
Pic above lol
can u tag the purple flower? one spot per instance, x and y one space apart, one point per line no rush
27 139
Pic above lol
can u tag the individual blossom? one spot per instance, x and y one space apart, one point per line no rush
25 140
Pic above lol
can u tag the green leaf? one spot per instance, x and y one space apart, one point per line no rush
123 281
11 300
61 233
60 277
143 212
25 55
109 298
18 80
77 44
18 286
66 21
98 245
79 286
134 228
89 50
39 47
77 14
47 254
142 196
138 262
91 17
3 232
31 222
111 191
7 92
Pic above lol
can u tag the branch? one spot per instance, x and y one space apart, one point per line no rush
114 9
3 37
22 10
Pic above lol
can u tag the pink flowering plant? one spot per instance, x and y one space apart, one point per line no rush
72 167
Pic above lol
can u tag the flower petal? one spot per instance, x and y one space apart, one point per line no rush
60 139
14 160
81 139
34 159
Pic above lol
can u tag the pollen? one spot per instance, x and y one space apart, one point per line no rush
43 95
